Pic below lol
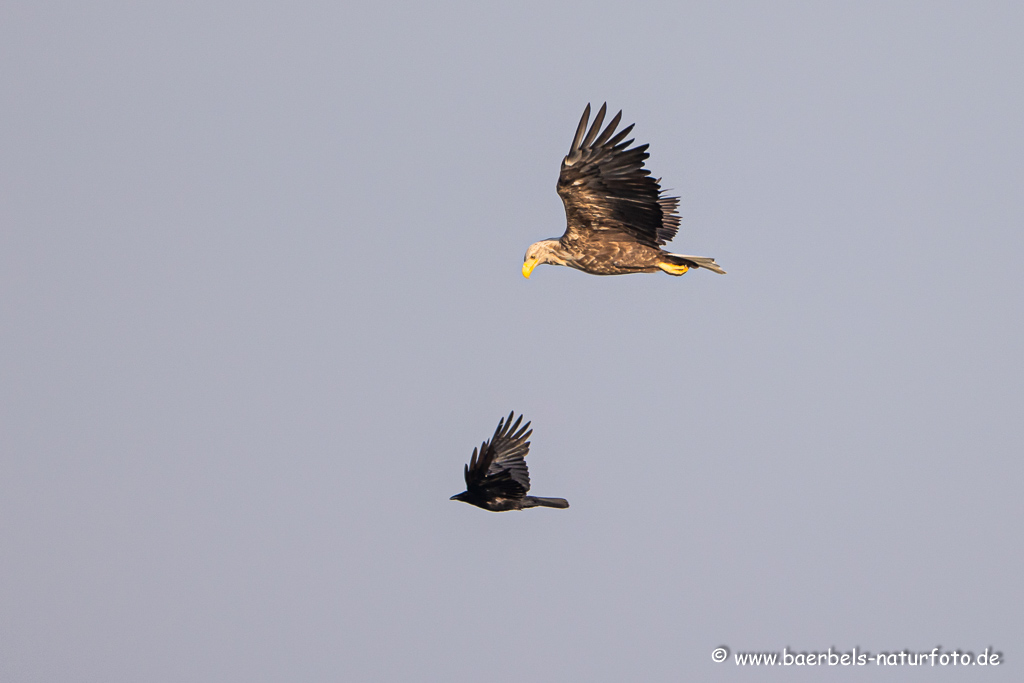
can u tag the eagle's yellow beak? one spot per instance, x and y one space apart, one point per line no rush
528 266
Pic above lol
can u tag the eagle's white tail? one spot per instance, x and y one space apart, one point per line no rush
698 262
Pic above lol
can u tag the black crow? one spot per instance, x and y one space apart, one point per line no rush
497 478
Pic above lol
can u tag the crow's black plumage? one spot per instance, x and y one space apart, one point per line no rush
617 216
496 476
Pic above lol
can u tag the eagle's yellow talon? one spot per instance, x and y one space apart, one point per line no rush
673 268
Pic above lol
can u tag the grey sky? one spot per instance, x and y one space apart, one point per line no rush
260 298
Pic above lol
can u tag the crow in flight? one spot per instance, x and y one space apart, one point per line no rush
497 478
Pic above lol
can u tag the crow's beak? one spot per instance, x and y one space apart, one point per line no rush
455 497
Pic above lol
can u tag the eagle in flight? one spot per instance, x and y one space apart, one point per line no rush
617 218
497 478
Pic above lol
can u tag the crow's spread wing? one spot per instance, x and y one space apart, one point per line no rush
499 468
608 193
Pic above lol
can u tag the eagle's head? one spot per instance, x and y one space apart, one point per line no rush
545 251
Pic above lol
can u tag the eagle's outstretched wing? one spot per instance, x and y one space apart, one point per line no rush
499 468
606 189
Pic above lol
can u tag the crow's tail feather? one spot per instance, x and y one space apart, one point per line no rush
536 501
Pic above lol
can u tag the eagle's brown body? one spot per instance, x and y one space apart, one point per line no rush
616 216
612 257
